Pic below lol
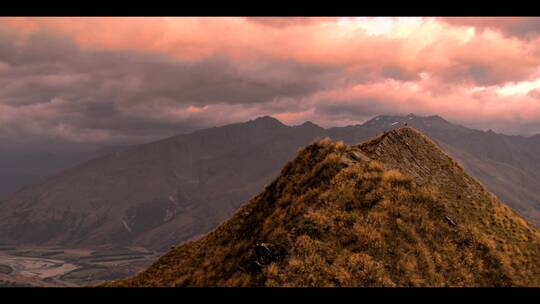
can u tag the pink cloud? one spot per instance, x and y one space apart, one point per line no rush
430 46
534 94
451 67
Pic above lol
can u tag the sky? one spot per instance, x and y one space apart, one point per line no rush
132 80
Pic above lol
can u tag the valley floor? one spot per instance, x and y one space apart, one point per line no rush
22 266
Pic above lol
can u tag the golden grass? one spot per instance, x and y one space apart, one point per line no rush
334 223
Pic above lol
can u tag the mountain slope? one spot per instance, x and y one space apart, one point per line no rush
394 211
155 194
24 166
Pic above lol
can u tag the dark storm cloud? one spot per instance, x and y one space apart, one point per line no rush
38 48
357 107
474 73
395 72
48 83
217 80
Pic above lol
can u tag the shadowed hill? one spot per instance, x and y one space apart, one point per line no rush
394 211
156 194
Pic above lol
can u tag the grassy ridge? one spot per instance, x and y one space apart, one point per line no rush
395 211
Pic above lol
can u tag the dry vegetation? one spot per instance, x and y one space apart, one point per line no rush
335 217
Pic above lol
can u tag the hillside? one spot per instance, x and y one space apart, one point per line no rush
508 166
156 194
394 211
26 165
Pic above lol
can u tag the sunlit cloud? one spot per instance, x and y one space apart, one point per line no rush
520 88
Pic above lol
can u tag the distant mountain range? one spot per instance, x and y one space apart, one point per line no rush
391 212
169 191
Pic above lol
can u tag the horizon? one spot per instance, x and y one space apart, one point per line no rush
73 145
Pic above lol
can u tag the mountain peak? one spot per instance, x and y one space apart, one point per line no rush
410 133
380 119
310 125
268 120
397 136
409 150
436 118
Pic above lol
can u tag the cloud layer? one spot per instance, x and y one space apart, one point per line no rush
112 80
